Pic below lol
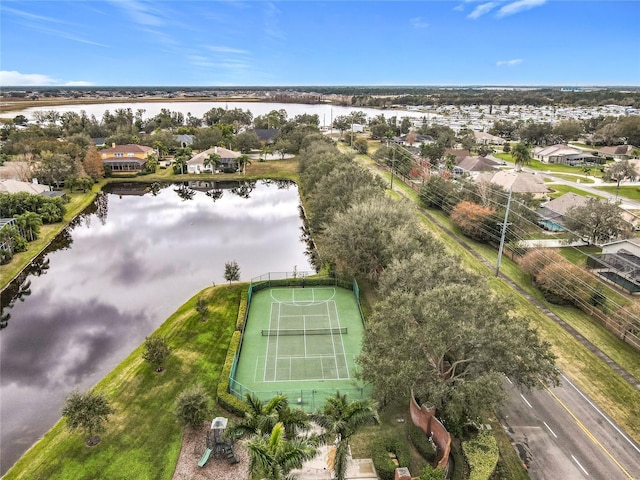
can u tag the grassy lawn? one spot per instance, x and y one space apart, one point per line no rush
574 178
143 439
559 189
77 203
630 192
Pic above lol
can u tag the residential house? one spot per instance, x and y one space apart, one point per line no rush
16 186
459 153
126 158
484 138
552 213
228 160
630 245
184 140
266 135
564 155
474 165
517 182
620 152
99 142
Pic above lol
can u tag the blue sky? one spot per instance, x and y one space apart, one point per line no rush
218 43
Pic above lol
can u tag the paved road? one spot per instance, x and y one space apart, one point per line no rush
561 434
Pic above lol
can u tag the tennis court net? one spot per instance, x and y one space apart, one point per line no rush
303 331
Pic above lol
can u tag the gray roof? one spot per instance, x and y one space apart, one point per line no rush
563 203
477 164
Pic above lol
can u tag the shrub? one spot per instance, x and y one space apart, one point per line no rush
192 407
421 443
430 473
383 462
227 400
535 260
242 309
482 455
473 220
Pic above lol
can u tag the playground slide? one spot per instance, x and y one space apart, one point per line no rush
204 458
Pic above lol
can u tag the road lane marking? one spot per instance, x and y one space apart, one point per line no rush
581 467
525 401
587 432
508 380
602 414
552 432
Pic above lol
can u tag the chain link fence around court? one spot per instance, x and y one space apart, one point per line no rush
312 398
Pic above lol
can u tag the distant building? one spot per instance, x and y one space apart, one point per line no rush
619 152
484 138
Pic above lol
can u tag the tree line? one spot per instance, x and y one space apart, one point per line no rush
437 330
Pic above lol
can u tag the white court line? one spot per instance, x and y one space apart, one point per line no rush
344 353
552 432
525 401
333 343
266 357
581 467
277 340
603 415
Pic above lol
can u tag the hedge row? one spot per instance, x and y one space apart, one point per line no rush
422 443
383 463
242 309
482 455
227 400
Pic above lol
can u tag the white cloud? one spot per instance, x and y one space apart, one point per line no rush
482 9
509 63
30 16
14 78
222 49
78 83
519 6
271 22
141 13
419 22
459 8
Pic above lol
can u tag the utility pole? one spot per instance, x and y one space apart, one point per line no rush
504 232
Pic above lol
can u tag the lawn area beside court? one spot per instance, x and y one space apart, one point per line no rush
301 342
143 438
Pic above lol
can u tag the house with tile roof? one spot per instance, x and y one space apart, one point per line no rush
484 138
15 186
553 212
474 165
564 155
620 152
228 160
126 158
517 182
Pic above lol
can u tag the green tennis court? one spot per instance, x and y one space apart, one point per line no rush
301 342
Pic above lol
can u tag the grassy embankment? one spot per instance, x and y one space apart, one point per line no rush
143 438
274 169
611 392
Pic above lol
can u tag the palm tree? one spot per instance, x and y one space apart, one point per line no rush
340 420
261 418
273 456
243 160
29 223
521 155
213 160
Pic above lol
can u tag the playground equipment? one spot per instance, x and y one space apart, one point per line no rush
217 444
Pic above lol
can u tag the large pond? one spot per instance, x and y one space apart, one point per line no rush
117 273
326 113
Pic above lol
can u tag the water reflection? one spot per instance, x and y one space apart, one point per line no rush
115 274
